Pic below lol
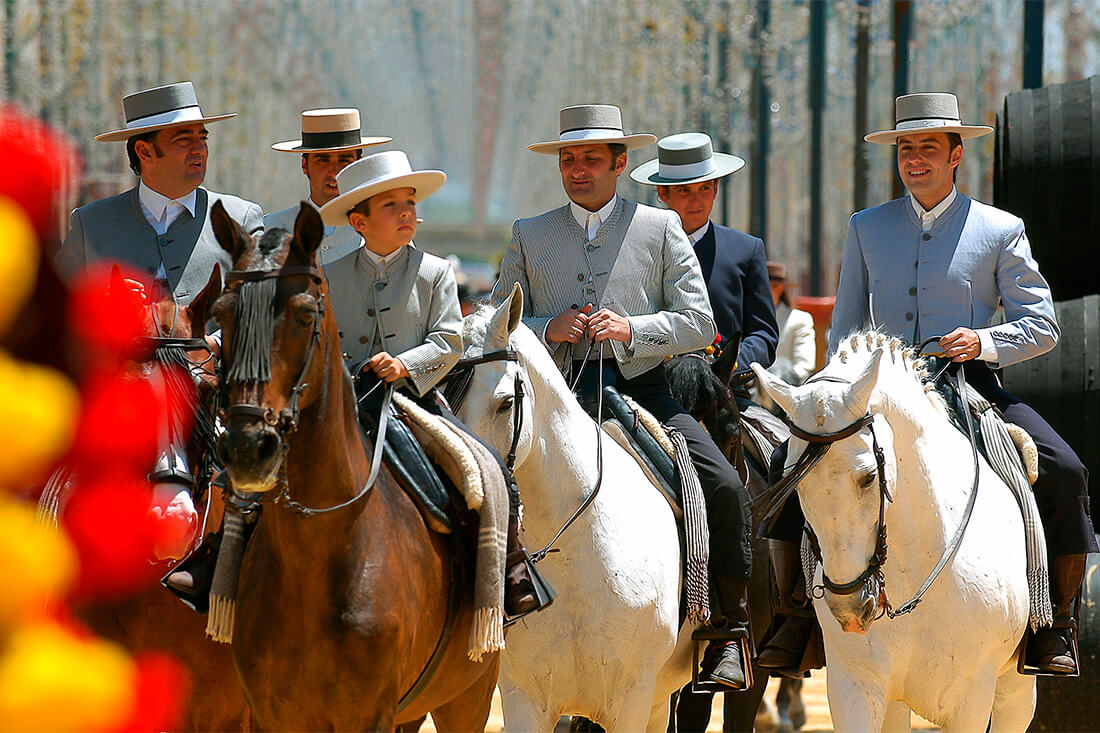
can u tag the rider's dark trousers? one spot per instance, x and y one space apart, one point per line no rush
729 515
1061 493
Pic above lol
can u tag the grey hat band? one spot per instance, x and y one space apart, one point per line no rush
592 127
686 170
150 103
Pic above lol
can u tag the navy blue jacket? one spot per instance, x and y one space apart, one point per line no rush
736 272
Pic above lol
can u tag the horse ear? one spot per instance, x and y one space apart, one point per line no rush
859 396
727 360
507 317
200 304
228 232
776 388
308 231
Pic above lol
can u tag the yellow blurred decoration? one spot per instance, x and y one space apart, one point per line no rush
37 562
18 260
36 426
52 680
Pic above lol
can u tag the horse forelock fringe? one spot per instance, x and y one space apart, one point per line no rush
253 331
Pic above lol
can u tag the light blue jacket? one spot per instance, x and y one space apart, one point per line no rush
918 285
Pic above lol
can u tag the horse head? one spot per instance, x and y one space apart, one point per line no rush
846 449
173 352
492 393
275 327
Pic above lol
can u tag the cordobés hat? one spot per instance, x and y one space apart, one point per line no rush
687 157
926 112
376 174
592 123
329 130
155 109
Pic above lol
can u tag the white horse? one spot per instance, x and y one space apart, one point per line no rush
953 659
610 647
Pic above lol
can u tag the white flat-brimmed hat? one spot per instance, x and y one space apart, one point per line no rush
376 174
926 112
158 108
589 124
687 157
329 130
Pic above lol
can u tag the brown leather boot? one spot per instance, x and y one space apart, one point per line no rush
787 646
520 597
1049 649
722 662
190 580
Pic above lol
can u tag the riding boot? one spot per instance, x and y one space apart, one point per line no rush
191 579
787 646
1049 649
519 592
723 663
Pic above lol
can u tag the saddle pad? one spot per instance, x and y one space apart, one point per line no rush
617 432
650 442
447 449
416 473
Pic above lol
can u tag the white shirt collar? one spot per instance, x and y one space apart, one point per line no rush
581 214
379 259
156 203
699 233
929 217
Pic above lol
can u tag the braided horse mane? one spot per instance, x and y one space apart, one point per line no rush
854 351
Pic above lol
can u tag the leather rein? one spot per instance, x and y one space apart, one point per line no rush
286 421
455 392
873 572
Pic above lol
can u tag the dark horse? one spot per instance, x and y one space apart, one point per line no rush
705 389
154 620
342 617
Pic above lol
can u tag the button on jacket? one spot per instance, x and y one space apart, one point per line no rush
916 285
338 241
640 265
409 308
115 229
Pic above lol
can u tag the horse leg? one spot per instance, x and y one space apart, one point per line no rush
739 709
855 705
521 713
789 705
470 710
768 719
1013 701
898 718
658 715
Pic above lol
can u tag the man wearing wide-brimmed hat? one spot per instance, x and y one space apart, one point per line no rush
162 226
937 263
615 273
331 140
687 173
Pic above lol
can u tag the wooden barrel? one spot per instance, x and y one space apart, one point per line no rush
1063 385
1047 172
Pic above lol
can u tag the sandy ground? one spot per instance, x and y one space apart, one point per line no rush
813 695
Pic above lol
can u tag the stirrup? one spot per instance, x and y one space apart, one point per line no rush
544 592
699 639
1065 624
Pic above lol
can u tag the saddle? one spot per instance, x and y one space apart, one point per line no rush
641 435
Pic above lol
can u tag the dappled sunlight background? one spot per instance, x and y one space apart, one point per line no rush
54 674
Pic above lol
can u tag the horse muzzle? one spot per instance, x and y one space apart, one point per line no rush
251 453
854 612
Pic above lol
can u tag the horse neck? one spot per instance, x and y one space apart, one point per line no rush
560 468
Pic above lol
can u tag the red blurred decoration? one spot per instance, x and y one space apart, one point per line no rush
118 424
105 314
107 518
39 163
162 688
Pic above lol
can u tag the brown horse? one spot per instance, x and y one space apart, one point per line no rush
343 617
154 620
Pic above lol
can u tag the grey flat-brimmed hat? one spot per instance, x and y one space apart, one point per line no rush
589 124
687 157
926 112
329 130
377 174
158 108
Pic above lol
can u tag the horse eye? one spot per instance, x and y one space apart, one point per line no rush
867 479
505 405
307 316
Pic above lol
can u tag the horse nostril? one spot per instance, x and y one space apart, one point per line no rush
267 446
